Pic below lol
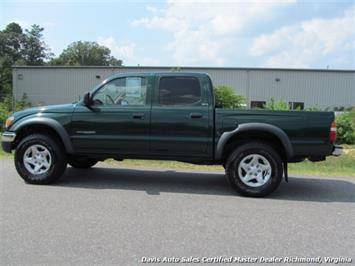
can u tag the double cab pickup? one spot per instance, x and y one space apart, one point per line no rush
166 116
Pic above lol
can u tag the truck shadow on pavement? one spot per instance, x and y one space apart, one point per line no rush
153 182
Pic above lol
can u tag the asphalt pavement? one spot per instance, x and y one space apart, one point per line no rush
107 216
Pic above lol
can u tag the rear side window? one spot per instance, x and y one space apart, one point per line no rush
179 91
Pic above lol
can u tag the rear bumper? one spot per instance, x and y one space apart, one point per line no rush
337 151
7 138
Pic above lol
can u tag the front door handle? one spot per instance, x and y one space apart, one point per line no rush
195 115
138 115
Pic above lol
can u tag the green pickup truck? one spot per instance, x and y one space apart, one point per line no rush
166 116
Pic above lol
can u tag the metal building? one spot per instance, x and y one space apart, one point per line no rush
302 88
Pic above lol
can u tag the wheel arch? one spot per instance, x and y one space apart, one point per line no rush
256 132
45 125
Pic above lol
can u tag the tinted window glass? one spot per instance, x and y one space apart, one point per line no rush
296 105
179 90
122 91
257 104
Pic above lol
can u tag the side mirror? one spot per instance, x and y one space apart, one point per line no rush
87 99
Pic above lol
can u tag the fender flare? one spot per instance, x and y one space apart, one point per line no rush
55 125
277 132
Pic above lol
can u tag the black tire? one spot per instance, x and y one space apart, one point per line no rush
81 162
241 153
57 154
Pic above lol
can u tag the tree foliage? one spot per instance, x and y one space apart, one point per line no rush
313 109
35 50
11 42
11 49
278 104
226 97
346 127
86 53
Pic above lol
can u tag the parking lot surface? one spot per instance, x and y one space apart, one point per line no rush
112 216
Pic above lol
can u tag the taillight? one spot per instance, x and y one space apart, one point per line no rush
333 132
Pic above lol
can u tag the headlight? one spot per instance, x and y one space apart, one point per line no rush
9 121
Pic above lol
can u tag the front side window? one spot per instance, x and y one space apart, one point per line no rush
122 92
179 91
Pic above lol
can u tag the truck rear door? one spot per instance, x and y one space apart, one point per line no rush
181 117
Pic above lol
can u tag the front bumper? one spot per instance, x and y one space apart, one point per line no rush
7 138
337 151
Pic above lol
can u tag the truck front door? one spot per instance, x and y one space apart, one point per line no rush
117 121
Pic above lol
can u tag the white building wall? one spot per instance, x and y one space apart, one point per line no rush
325 89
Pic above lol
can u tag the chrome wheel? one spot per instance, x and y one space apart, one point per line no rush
254 170
37 159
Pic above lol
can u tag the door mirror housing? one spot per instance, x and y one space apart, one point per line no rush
87 99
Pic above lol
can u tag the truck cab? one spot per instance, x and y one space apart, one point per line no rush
161 115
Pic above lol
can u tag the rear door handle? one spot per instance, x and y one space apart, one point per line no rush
138 115
195 115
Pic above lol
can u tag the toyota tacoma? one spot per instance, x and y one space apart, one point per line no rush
166 116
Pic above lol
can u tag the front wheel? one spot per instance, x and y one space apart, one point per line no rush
39 159
254 169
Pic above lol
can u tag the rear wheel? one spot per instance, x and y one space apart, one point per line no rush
81 162
39 159
254 169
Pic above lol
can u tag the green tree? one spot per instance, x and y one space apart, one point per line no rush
278 104
346 127
35 50
11 51
115 62
313 109
86 53
5 107
226 97
11 42
5 76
